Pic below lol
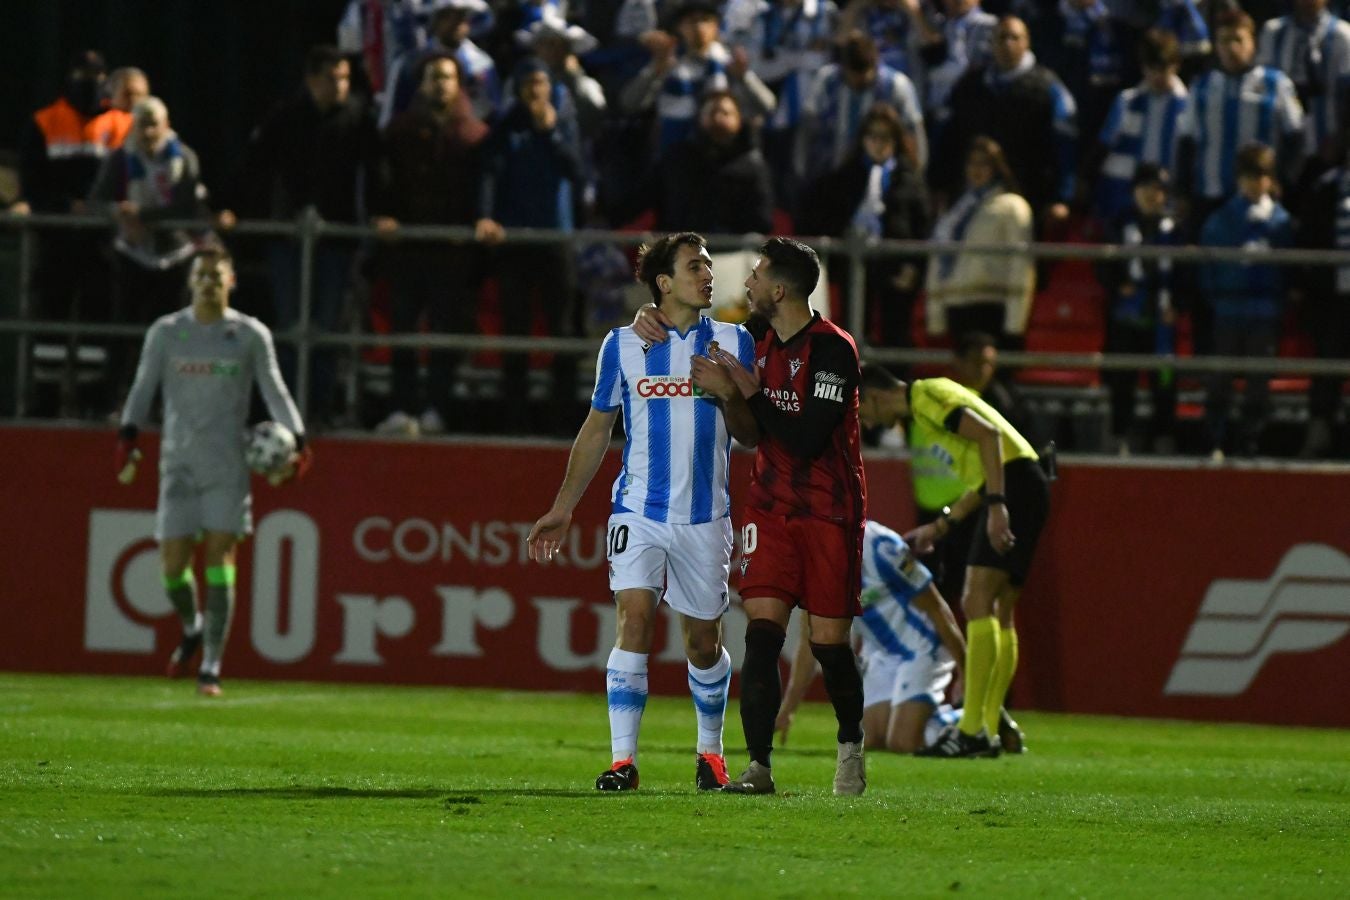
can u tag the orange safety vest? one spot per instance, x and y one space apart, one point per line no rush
109 129
68 133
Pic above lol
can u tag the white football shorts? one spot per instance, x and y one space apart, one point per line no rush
685 565
187 507
887 678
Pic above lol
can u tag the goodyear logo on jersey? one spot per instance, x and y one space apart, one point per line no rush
671 386
226 368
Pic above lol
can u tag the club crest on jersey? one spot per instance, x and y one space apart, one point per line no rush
794 366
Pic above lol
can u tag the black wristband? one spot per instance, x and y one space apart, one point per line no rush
991 499
128 433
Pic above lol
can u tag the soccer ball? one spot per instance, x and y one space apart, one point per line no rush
270 446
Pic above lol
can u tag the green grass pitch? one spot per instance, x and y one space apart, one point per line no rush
113 787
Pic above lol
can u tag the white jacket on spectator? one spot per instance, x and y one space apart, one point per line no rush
958 279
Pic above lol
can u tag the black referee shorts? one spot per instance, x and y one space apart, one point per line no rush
1028 494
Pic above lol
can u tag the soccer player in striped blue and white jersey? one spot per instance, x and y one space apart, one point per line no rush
670 532
1236 103
909 648
1312 47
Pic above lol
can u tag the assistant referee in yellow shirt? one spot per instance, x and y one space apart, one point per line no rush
1004 486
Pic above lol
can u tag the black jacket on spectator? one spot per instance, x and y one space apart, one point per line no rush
301 156
51 178
1021 118
529 175
1095 65
834 198
429 168
715 189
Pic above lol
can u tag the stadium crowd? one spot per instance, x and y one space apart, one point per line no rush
1139 122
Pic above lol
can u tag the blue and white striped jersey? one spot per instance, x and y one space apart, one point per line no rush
1224 112
1140 128
676 452
787 45
688 80
1317 60
835 111
970 40
891 578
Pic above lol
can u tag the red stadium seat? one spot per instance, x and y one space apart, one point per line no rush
1066 317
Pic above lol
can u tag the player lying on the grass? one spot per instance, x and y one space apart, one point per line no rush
205 359
670 526
909 644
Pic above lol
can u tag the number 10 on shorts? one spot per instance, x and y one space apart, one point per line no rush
618 539
749 538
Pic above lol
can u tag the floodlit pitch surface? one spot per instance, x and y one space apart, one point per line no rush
136 787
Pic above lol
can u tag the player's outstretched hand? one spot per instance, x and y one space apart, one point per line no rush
547 535
125 460
922 539
651 324
782 725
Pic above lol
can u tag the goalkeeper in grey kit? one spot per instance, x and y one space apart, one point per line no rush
205 359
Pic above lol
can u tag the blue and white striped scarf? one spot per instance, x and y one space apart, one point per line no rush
954 222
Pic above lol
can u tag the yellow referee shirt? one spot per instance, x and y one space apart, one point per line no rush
932 402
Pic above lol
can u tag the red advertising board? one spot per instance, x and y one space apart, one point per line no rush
1198 593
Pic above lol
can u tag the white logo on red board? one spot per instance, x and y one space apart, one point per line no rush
1304 606
124 592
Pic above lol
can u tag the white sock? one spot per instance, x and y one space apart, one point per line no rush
626 687
942 717
708 687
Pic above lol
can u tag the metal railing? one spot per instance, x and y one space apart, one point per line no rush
310 228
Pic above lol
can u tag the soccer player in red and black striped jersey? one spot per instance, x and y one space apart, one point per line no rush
803 536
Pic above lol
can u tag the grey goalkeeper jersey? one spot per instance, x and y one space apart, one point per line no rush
207 372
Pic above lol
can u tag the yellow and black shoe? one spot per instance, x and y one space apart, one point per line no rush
1010 735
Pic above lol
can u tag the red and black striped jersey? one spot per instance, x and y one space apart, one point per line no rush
809 461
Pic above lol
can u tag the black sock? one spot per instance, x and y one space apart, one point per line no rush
761 686
844 685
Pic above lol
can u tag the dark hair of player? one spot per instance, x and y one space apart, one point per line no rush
874 377
792 263
659 259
